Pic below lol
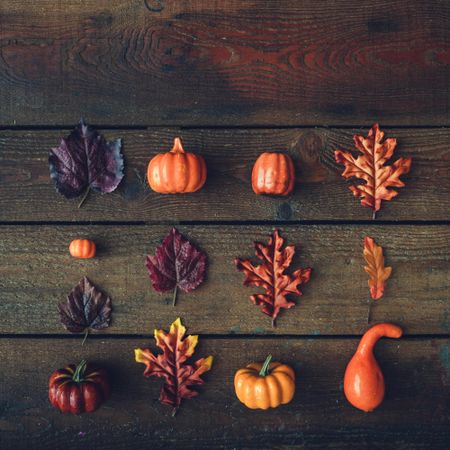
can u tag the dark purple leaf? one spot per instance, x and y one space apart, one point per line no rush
85 160
86 308
176 264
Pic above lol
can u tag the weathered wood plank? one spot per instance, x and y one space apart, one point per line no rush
27 193
414 414
37 273
202 62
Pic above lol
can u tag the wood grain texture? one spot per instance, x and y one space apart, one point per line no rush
209 62
37 273
28 194
414 414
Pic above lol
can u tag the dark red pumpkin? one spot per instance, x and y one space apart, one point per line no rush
273 174
78 389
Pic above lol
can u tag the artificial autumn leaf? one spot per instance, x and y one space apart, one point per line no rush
373 254
84 161
370 167
176 264
171 365
270 275
87 308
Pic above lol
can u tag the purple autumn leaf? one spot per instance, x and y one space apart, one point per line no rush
86 308
176 264
85 160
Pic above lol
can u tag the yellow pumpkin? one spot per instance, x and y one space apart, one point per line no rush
265 385
176 171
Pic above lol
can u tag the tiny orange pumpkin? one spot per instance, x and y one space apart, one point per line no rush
273 174
176 171
265 385
82 248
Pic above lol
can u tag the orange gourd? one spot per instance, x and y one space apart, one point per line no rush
82 248
273 174
265 385
363 380
176 171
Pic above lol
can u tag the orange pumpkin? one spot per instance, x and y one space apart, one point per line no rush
82 248
273 174
176 171
363 380
265 385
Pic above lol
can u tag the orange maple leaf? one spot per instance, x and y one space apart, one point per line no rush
270 275
370 167
171 365
373 254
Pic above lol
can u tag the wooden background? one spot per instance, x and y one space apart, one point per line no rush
233 79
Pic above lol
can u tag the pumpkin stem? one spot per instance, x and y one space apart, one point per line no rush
174 298
79 372
177 146
265 368
86 193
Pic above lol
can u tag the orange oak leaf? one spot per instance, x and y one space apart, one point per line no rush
370 167
179 376
373 254
270 275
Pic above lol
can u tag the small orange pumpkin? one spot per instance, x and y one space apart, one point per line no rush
176 171
82 248
265 385
273 174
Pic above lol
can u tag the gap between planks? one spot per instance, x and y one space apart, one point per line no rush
208 336
231 222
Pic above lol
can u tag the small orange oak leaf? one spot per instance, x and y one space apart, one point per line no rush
270 275
378 273
179 376
370 167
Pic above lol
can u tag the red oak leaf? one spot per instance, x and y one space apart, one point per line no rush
270 275
378 273
370 167
171 365
176 264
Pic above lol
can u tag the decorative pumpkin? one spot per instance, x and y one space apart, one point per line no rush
78 389
82 248
363 380
263 386
176 171
273 174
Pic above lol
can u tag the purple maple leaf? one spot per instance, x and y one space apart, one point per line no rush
84 160
176 264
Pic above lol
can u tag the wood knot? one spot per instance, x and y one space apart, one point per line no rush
284 211
154 5
308 149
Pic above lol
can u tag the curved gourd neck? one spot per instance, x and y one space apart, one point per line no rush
373 335
177 146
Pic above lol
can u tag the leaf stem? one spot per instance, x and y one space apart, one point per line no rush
174 411
85 336
374 214
174 298
86 193
265 368
369 310
273 322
